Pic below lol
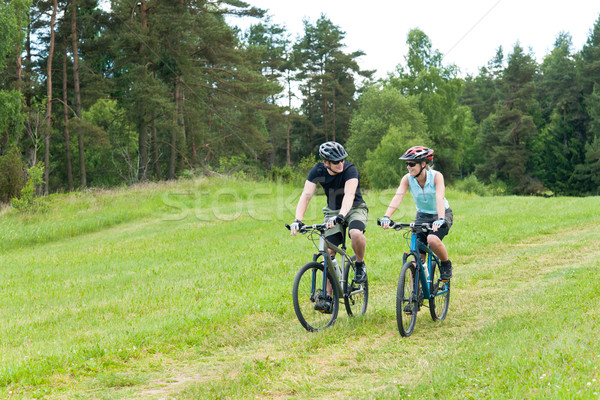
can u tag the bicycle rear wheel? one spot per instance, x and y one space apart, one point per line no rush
308 287
407 303
356 295
438 305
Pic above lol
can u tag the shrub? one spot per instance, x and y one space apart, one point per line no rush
295 174
240 167
28 202
12 175
284 174
472 185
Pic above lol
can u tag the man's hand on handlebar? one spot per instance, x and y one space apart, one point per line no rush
295 227
333 221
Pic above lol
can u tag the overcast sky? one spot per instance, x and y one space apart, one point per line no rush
466 32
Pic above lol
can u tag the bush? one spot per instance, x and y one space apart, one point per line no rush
12 175
28 202
472 185
284 174
496 187
296 174
240 167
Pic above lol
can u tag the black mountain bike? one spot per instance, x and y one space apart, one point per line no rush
320 286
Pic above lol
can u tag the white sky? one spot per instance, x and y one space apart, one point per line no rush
466 32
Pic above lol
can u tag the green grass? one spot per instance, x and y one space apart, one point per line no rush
183 290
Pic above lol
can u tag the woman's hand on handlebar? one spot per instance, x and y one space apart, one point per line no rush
385 222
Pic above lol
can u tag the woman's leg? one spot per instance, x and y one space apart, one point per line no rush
438 247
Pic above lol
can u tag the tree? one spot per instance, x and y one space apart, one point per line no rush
437 89
189 83
48 127
590 59
82 170
558 88
328 81
383 167
379 109
587 174
506 135
66 120
268 49
13 17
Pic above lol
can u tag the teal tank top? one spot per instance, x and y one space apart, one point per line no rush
425 196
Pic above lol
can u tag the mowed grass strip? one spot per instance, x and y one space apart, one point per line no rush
193 298
508 335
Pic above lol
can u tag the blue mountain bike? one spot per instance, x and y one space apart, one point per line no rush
419 281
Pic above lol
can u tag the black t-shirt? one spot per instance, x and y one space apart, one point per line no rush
334 184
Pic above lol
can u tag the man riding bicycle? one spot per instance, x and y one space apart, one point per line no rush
341 182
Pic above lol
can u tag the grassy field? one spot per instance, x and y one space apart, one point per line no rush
183 290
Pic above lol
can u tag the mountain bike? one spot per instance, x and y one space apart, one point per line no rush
320 286
418 282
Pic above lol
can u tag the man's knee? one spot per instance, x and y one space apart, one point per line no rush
357 234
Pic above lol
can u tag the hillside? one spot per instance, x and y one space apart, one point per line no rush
183 290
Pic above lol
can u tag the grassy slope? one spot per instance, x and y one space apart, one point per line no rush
183 290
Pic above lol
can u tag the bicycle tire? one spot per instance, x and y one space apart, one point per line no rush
440 292
304 297
356 295
407 304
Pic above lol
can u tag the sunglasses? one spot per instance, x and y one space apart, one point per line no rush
411 164
335 162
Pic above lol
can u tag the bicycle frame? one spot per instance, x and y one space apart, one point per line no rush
325 245
416 247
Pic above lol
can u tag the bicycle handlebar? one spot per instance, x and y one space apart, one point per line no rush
305 228
425 227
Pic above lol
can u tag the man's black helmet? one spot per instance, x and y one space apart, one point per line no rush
418 153
332 151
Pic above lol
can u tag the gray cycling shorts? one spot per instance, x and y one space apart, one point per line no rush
356 219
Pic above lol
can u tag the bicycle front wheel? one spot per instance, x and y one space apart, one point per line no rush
440 292
308 296
356 295
407 303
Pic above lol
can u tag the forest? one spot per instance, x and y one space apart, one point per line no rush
151 90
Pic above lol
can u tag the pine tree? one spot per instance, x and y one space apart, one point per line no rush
328 81
558 92
507 134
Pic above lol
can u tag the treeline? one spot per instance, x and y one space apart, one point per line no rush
154 89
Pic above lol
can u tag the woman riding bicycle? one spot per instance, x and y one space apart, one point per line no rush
428 190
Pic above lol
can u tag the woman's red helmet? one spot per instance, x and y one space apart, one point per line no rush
418 153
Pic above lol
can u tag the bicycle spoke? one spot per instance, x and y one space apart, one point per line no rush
356 296
440 290
308 296
406 300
